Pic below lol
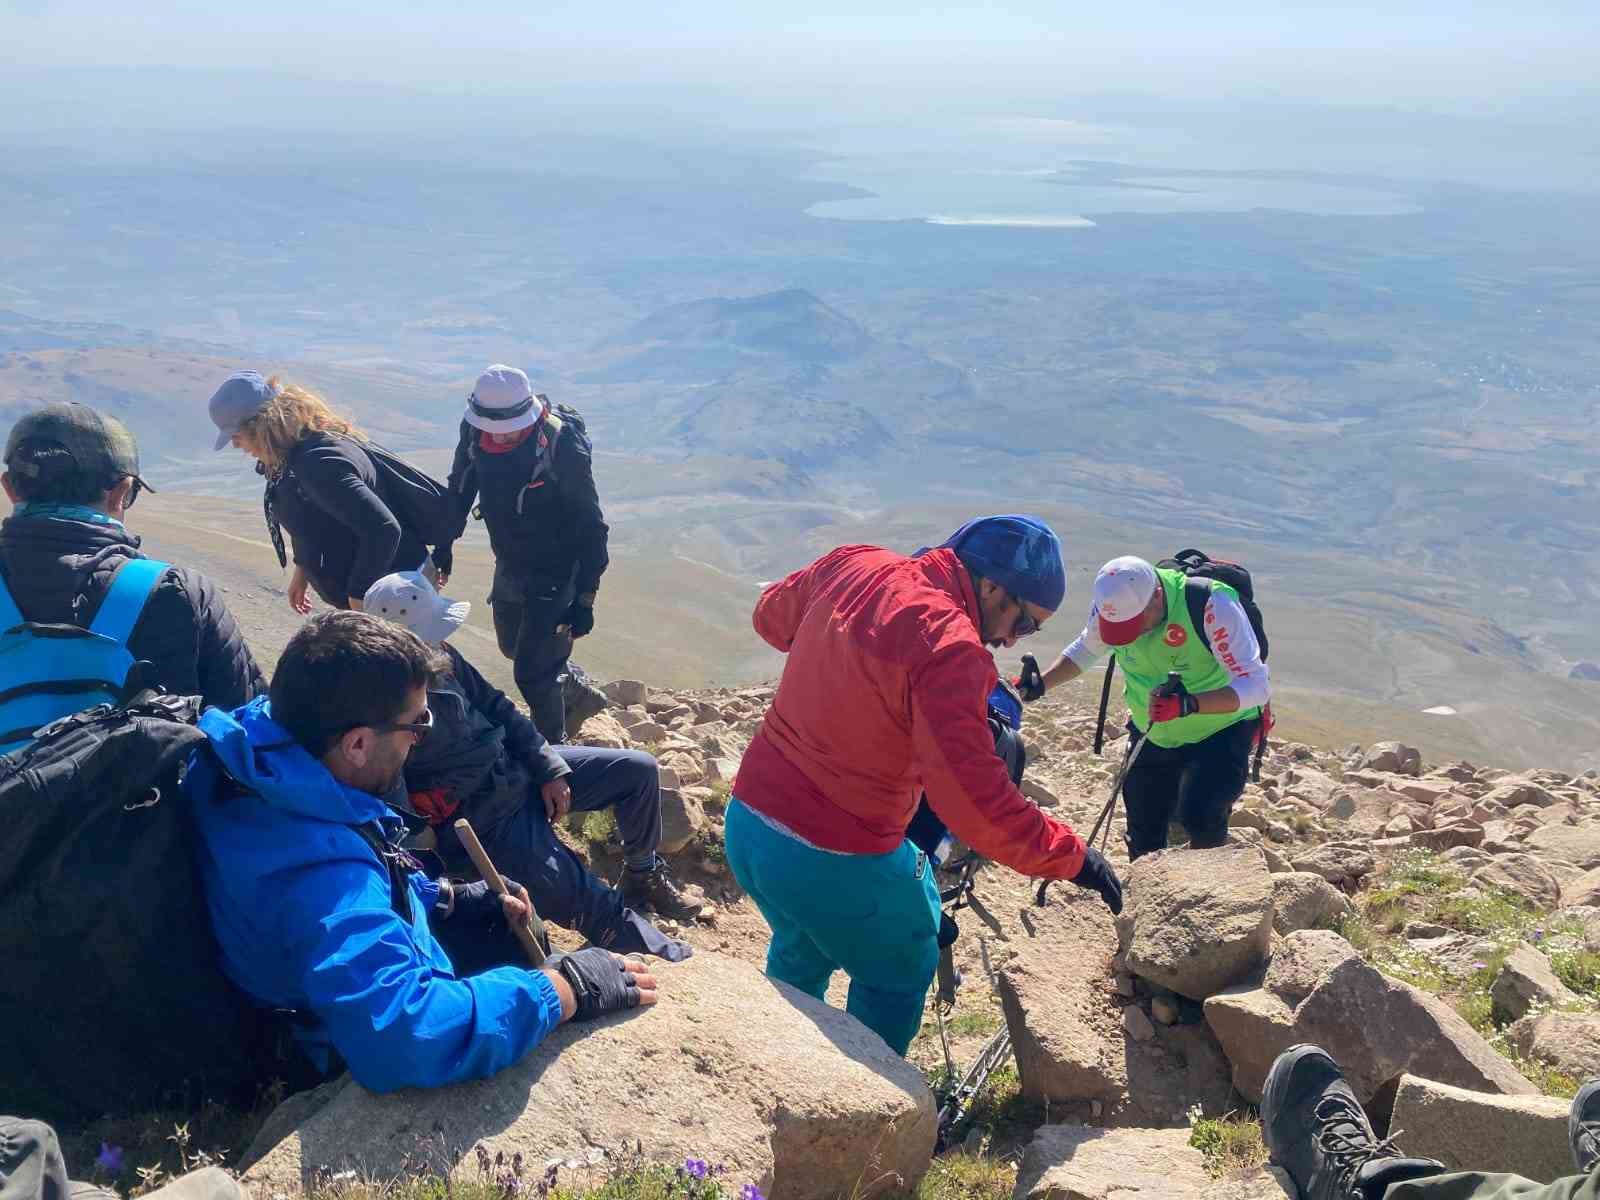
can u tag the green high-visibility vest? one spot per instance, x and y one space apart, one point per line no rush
1174 645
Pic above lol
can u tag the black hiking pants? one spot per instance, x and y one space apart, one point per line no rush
1197 784
527 610
1475 1185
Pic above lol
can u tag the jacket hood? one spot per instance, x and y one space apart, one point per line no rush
261 757
48 561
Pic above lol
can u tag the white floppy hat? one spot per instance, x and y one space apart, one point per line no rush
407 598
503 401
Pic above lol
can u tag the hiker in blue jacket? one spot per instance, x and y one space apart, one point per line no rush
318 911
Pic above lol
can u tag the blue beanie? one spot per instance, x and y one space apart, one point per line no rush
1022 554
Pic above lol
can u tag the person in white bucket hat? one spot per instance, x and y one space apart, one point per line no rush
529 468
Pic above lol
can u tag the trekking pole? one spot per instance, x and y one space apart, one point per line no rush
1104 819
530 932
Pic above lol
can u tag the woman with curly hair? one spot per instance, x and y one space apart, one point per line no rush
323 488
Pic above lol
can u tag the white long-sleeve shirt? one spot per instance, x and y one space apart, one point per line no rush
1233 645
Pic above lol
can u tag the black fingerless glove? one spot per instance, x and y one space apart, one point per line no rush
1097 875
475 902
444 558
598 981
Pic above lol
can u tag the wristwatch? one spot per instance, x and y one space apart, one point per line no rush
446 904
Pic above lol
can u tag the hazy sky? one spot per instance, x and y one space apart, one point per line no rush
1530 58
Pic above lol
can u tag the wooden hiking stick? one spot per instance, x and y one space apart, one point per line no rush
530 932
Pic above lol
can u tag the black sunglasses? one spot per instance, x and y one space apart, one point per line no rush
1026 625
418 729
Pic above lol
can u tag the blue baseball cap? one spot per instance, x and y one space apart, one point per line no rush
1020 553
241 396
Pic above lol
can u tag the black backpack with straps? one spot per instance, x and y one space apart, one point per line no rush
552 428
1201 570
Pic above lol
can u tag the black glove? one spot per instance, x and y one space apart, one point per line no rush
477 903
598 981
1030 684
579 618
1097 875
444 558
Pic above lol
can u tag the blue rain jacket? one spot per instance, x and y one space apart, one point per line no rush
301 906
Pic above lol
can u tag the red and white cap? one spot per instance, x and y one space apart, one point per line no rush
1122 590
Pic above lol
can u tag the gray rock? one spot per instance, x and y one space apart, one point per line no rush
1139 1026
1448 837
1394 757
1196 921
776 1083
1578 844
1585 890
1525 982
1474 1131
1569 1042
1303 900
1379 1029
1525 876
681 820
1082 1162
626 692
1253 1027
1337 862
1303 960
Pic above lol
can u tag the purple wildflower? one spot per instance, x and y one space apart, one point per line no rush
750 1192
1480 965
110 1157
695 1168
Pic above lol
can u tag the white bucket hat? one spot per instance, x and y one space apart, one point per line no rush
407 598
503 402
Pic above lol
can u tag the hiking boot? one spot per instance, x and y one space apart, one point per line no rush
581 698
1583 1127
657 891
1316 1131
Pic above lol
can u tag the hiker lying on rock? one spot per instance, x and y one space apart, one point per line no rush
316 908
1317 1132
1200 732
883 696
484 760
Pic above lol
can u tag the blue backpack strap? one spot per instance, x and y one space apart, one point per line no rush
10 615
130 588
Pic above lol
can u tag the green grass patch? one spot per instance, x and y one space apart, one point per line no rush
599 827
1579 970
967 1177
1230 1144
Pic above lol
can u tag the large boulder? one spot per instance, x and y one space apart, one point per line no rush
1475 1131
790 1094
682 820
1340 863
1394 757
1253 1027
1083 1162
1577 844
1303 900
1567 1041
626 691
1074 1046
1522 875
1303 960
1525 982
1378 1029
1584 890
1196 921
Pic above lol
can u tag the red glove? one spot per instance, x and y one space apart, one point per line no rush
1170 708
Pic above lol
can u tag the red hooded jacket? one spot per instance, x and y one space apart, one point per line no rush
882 698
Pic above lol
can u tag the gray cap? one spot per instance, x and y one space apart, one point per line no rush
240 397
60 439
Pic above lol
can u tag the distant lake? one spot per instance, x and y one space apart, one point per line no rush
1050 198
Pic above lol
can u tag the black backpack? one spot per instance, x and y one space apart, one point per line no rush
423 504
111 1000
562 418
1201 570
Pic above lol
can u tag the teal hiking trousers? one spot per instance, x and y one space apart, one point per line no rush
874 916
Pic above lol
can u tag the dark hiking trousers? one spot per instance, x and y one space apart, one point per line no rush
526 613
31 1166
566 892
1197 784
1475 1185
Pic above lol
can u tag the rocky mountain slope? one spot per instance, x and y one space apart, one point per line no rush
1435 925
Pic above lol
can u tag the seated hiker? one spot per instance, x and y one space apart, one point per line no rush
486 761
73 475
1316 1131
316 909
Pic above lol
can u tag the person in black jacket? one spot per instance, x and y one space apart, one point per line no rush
484 760
530 470
72 474
322 488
